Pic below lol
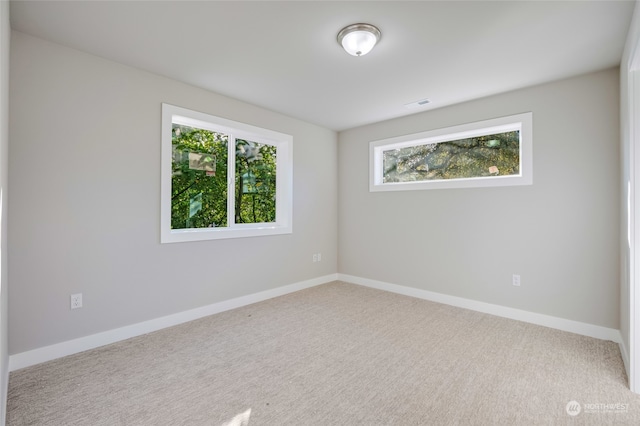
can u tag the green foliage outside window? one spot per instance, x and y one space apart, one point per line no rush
482 156
199 190
255 182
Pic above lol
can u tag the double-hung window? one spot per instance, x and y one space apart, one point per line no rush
222 178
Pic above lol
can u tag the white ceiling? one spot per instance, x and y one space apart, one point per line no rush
284 55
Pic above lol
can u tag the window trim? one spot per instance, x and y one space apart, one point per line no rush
236 130
522 122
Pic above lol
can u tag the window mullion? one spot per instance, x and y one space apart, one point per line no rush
231 182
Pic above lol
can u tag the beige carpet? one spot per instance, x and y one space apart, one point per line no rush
336 354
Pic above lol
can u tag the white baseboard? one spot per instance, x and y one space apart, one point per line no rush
577 327
58 350
625 354
4 368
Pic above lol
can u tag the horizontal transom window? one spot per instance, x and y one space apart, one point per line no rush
493 152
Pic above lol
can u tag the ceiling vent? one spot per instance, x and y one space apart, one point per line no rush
418 104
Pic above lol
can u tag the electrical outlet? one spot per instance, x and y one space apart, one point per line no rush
516 280
76 301
319 257
315 258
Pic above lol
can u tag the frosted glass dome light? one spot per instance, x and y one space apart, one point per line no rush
358 39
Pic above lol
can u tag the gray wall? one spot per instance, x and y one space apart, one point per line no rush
5 35
561 234
85 183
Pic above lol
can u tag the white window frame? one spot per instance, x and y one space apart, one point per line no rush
235 130
521 122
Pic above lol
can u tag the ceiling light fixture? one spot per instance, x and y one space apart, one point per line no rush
358 39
